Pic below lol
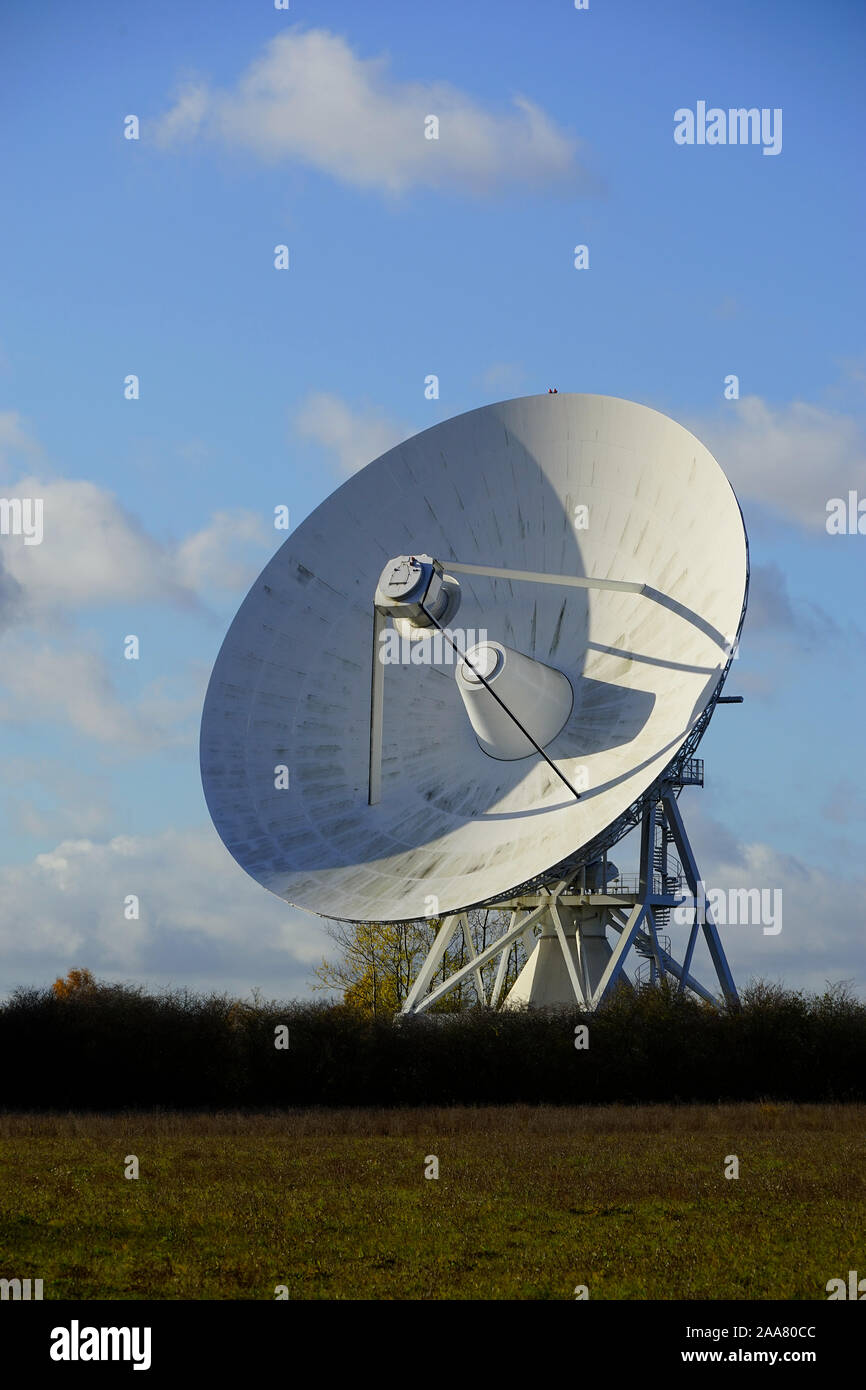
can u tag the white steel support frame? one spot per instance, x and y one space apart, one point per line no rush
418 998
630 915
703 913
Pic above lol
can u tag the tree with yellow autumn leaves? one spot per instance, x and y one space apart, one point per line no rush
378 961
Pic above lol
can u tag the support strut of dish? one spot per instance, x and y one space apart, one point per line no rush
572 918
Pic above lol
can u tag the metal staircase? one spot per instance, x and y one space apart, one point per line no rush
645 972
666 866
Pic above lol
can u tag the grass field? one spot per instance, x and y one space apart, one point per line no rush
529 1203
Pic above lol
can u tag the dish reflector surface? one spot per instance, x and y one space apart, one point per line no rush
573 485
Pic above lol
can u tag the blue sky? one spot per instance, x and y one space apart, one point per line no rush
155 257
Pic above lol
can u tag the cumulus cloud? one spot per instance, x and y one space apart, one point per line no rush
203 922
310 98
93 551
45 823
355 436
15 438
773 610
226 554
51 802
792 458
784 628
770 603
68 683
822 916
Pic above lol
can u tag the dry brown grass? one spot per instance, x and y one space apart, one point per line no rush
542 1120
530 1202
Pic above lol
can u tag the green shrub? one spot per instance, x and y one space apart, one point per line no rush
115 1047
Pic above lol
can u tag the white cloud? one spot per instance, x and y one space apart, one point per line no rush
86 819
356 437
203 922
792 458
822 914
50 801
805 625
93 551
227 554
310 98
15 438
187 114
69 683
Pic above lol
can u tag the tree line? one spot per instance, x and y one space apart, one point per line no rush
90 1045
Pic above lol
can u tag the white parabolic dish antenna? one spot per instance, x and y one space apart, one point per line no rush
626 565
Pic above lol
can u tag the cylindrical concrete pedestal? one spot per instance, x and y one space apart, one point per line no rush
544 981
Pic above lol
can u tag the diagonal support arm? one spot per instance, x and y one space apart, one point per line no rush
377 705
687 858
629 932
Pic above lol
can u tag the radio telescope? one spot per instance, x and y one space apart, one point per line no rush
471 671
